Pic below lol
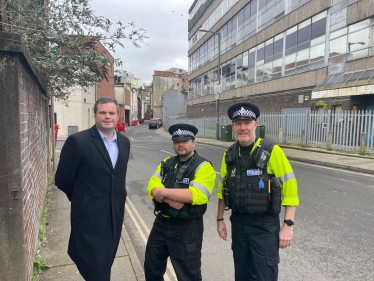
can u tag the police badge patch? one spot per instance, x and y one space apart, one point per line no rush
233 172
185 181
254 172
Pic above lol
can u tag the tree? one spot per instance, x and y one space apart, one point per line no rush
60 36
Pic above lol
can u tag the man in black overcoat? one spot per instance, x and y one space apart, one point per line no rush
92 173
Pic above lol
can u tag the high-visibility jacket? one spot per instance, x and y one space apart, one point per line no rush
201 186
279 166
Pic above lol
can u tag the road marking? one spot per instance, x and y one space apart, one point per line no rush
335 169
142 146
169 266
167 152
217 172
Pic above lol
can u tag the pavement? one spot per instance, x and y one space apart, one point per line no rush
316 156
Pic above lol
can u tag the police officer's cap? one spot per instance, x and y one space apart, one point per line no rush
243 110
182 132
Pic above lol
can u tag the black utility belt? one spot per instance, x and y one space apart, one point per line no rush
179 220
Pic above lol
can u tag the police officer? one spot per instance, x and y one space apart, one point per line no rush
180 188
254 175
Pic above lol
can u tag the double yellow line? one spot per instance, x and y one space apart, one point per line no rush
135 218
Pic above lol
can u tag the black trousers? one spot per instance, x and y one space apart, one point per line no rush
255 246
181 241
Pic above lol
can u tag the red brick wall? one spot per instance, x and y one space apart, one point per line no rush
127 95
106 88
164 73
34 129
121 113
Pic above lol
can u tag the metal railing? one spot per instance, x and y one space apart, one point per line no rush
346 127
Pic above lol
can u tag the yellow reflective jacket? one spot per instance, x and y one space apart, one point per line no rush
279 166
201 187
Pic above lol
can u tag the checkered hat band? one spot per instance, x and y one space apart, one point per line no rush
183 133
244 112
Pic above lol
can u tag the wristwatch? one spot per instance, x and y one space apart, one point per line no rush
289 222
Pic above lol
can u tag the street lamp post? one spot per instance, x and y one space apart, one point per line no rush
219 77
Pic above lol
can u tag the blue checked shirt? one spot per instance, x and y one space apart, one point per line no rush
111 146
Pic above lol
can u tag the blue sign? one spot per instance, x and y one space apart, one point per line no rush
185 181
254 172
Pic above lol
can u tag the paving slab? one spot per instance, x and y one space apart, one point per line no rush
126 265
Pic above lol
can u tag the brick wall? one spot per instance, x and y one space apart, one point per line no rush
164 73
33 111
106 88
24 158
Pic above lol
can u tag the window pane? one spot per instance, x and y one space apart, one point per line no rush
270 13
358 40
338 46
319 16
268 50
358 25
251 76
260 71
253 8
291 40
279 8
260 54
241 17
318 40
239 63
303 35
318 28
290 61
278 46
268 68
244 78
251 60
338 33
247 12
277 66
262 6
357 55
317 53
302 57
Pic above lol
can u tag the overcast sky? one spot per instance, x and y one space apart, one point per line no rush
167 44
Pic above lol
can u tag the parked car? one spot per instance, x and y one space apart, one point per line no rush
153 124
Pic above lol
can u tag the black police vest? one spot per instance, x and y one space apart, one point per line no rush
247 186
185 173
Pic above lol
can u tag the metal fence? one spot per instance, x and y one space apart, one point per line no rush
346 127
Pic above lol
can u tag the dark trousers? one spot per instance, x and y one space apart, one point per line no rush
181 241
255 246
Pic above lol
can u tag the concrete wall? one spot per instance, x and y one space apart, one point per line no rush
77 112
267 103
174 104
24 159
160 85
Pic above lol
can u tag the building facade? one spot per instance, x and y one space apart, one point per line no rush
77 114
175 79
281 54
122 95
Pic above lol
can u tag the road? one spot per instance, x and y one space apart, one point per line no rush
333 233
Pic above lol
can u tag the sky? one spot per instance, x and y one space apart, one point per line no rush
167 45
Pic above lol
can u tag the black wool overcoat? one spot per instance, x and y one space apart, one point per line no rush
97 193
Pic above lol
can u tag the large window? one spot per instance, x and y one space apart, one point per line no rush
243 25
298 49
352 42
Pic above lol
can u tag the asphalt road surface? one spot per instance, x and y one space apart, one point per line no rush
333 233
